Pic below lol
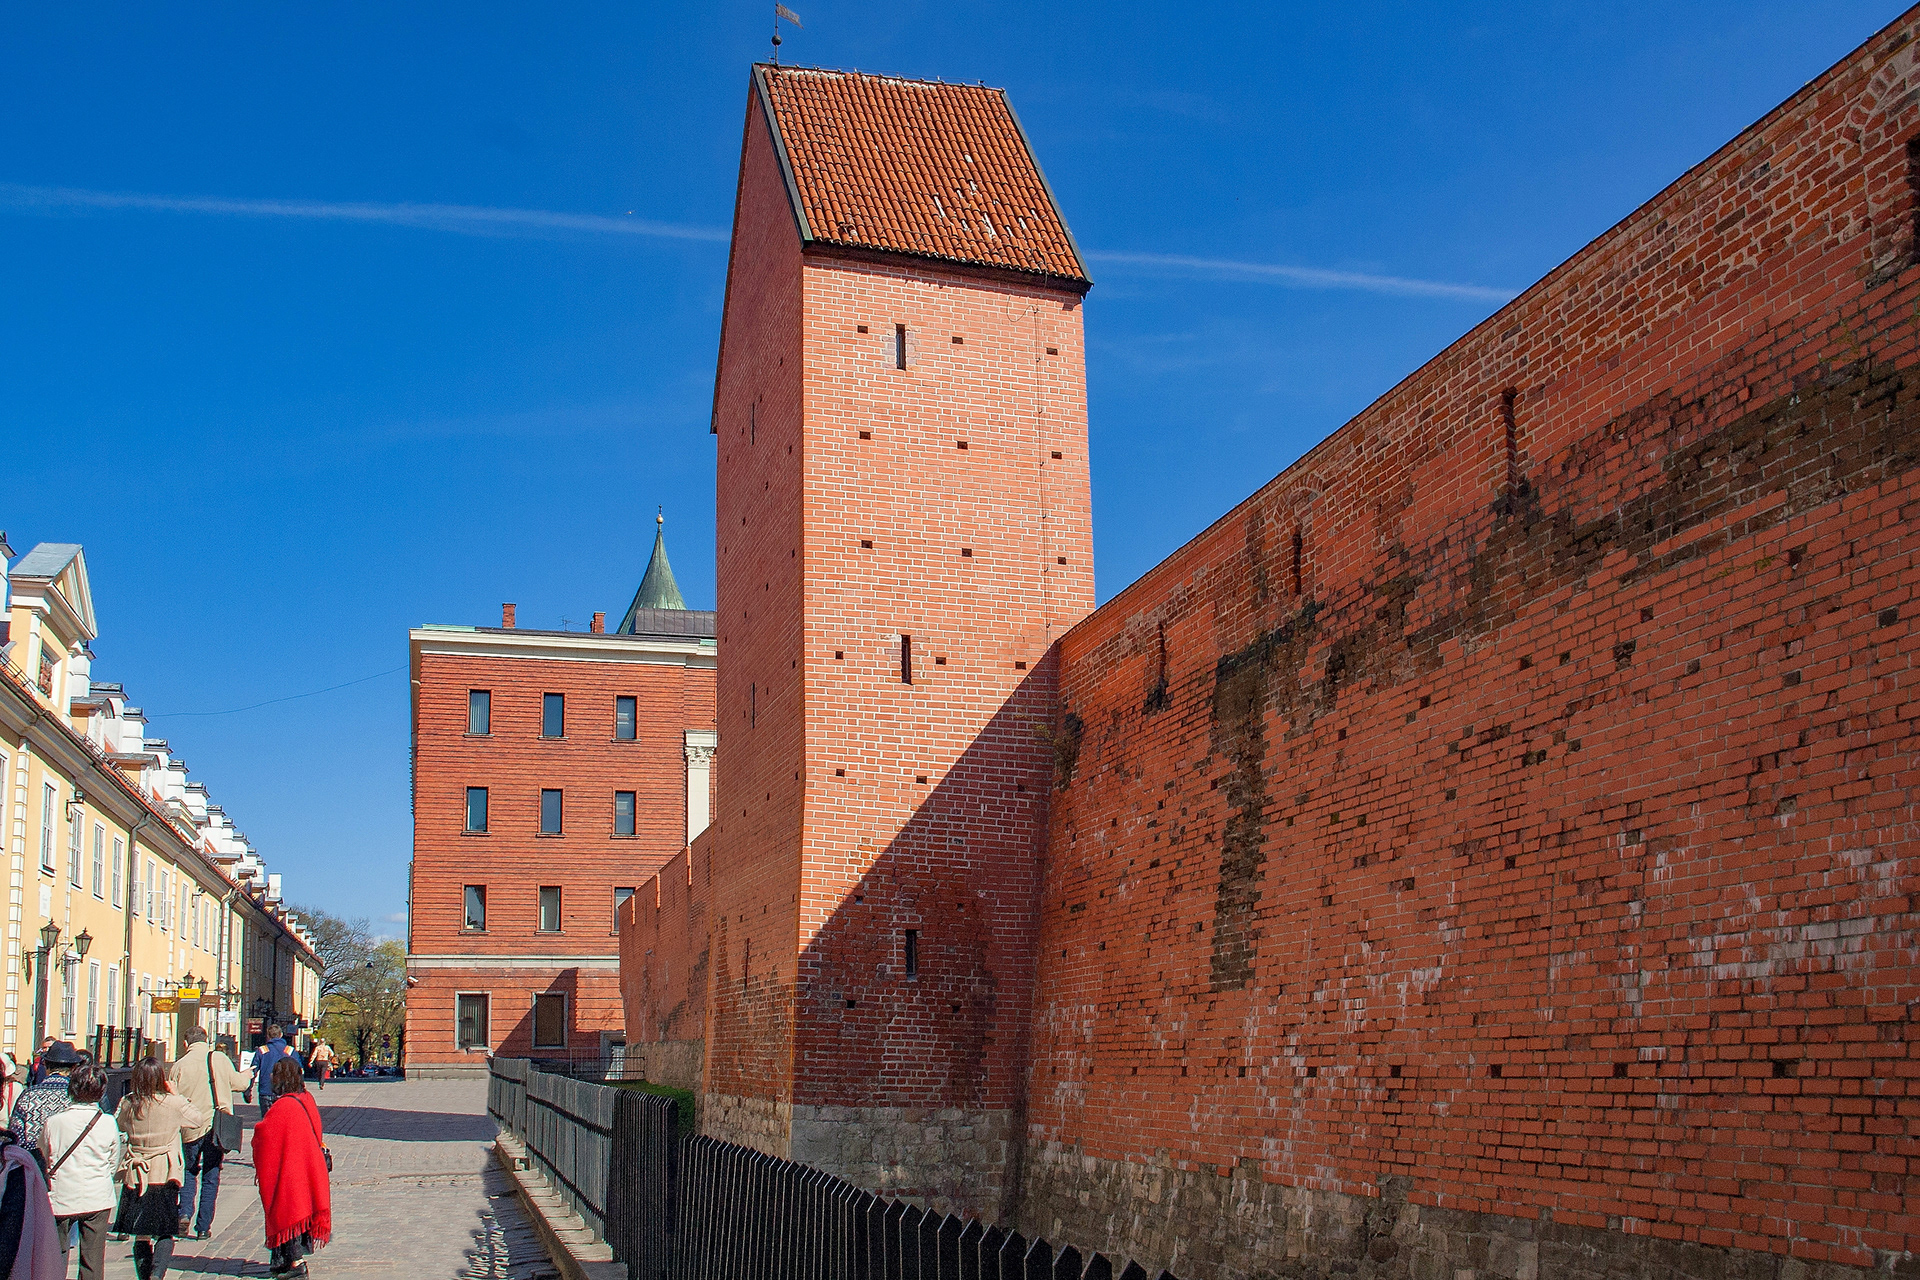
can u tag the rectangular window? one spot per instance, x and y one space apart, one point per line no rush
46 827
476 808
99 861
553 715
623 813
550 1020
912 952
476 907
73 852
113 995
620 898
148 887
550 812
119 856
899 346
68 976
93 996
470 1018
479 711
626 716
549 908
906 659
165 904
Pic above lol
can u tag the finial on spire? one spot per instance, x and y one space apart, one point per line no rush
660 515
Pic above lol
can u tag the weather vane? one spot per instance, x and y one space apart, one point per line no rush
781 11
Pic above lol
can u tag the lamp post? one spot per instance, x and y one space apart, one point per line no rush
49 938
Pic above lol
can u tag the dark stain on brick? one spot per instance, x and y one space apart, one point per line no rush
1066 748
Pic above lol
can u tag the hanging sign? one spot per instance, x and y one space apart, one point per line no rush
165 1004
187 993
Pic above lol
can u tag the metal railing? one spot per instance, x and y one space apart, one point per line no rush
679 1207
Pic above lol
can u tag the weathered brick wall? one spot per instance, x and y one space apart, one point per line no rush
512 860
757 414
664 944
1490 846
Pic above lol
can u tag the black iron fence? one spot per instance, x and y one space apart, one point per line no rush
680 1207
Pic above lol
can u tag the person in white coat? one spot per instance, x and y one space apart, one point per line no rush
82 1150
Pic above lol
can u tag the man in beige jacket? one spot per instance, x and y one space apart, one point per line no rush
208 1079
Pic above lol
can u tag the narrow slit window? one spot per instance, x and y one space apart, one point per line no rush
476 809
550 811
899 346
623 813
625 718
912 952
906 659
479 711
553 715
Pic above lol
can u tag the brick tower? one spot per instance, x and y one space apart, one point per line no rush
903 532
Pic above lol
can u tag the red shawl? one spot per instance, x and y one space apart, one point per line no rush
291 1171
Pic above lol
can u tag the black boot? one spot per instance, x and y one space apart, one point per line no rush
143 1259
162 1259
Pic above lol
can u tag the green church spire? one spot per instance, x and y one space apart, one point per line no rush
657 590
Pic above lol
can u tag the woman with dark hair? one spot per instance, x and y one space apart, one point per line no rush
153 1117
81 1146
290 1162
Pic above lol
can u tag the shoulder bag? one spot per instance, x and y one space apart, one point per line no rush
97 1113
226 1125
316 1135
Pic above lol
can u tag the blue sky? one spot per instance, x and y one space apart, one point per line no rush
323 322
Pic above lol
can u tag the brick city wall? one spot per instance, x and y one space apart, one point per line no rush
1489 848
512 860
664 947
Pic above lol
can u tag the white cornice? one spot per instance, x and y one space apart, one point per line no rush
584 646
512 962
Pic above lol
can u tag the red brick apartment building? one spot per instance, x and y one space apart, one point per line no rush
553 771
1489 849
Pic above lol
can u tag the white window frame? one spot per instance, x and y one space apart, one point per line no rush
73 853
46 827
99 861
93 995
119 858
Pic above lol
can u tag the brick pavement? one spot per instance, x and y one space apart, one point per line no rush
415 1194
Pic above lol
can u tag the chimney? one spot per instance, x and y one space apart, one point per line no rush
599 624
506 616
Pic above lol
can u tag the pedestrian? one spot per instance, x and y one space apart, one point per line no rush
322 1062
291 1164
264 1061
45 1098
38 1067
29 1236
208 1079
153 1117
9 1087
82 1148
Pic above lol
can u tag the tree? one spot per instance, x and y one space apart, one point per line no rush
368 1004
343 945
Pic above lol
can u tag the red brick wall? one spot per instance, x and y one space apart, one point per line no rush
664 950
757 513
1542 831
925 806
512 860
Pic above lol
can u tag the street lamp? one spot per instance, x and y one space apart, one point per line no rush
82 942
79 801
49 939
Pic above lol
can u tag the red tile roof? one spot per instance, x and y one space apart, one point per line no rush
916 167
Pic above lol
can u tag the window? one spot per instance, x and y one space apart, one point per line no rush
46 827
623 813
550 812
899 346
479 711
73 851
93 995
549 908
165 904
553 715
470 1021
67 984
550 1020
119 854
906 659
149 889
620 897
113 995
625 718
476 907
99 861
476 809
912 952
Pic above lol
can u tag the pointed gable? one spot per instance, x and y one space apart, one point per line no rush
933 170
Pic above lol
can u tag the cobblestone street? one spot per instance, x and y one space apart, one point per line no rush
415 1194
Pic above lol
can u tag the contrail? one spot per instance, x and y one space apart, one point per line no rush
476 220
462 218
1307 277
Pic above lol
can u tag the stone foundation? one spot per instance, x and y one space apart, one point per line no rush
760 1123
951 1159
676 1063
1204 1226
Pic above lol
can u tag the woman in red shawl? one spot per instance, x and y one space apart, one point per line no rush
290 1162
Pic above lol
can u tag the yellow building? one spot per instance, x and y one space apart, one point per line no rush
136 909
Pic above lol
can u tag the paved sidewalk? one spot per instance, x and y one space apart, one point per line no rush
415 1194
